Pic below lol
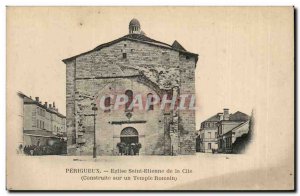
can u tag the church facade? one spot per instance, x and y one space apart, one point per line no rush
135 66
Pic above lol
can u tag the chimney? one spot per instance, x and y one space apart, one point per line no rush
53 104
220 115
226 114
46 104
37 99
50 106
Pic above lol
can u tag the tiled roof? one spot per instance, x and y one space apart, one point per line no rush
28 100
139 38
239 116
178 46
243 125
214 118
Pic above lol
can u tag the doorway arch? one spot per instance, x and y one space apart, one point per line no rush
129 135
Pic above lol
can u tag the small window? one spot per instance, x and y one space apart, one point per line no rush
124 55
150 100
216 134
107 104
209 135
129 94
209 146
125 45
187 57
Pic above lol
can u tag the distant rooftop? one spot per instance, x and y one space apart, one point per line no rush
50 108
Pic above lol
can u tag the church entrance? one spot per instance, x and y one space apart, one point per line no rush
129 142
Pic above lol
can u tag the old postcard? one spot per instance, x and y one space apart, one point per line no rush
150 98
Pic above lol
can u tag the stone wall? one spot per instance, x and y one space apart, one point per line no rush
96 73
159 65
108 133
70 103
187 126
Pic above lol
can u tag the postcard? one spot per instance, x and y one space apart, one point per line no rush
150 98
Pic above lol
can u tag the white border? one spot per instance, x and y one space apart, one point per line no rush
4 3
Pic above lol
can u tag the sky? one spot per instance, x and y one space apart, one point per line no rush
230 43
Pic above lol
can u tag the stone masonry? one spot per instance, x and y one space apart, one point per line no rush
138 63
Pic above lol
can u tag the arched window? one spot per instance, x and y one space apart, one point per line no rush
129 94
150 100
129 132
107 104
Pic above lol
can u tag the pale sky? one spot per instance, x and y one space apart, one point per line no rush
232 44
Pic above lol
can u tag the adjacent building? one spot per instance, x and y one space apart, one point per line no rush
224 133
42 123
231 128
133 64
208 134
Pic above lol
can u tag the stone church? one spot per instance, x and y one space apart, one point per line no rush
133 64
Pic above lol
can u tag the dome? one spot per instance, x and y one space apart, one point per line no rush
134 27
134 22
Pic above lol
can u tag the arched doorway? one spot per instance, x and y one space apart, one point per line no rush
129 135
129 144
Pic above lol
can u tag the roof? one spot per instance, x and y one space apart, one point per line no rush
134 22
239 116
28 100
238 130
139 38
246 123
214 118
177 45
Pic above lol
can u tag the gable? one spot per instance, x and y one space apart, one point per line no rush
142 39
